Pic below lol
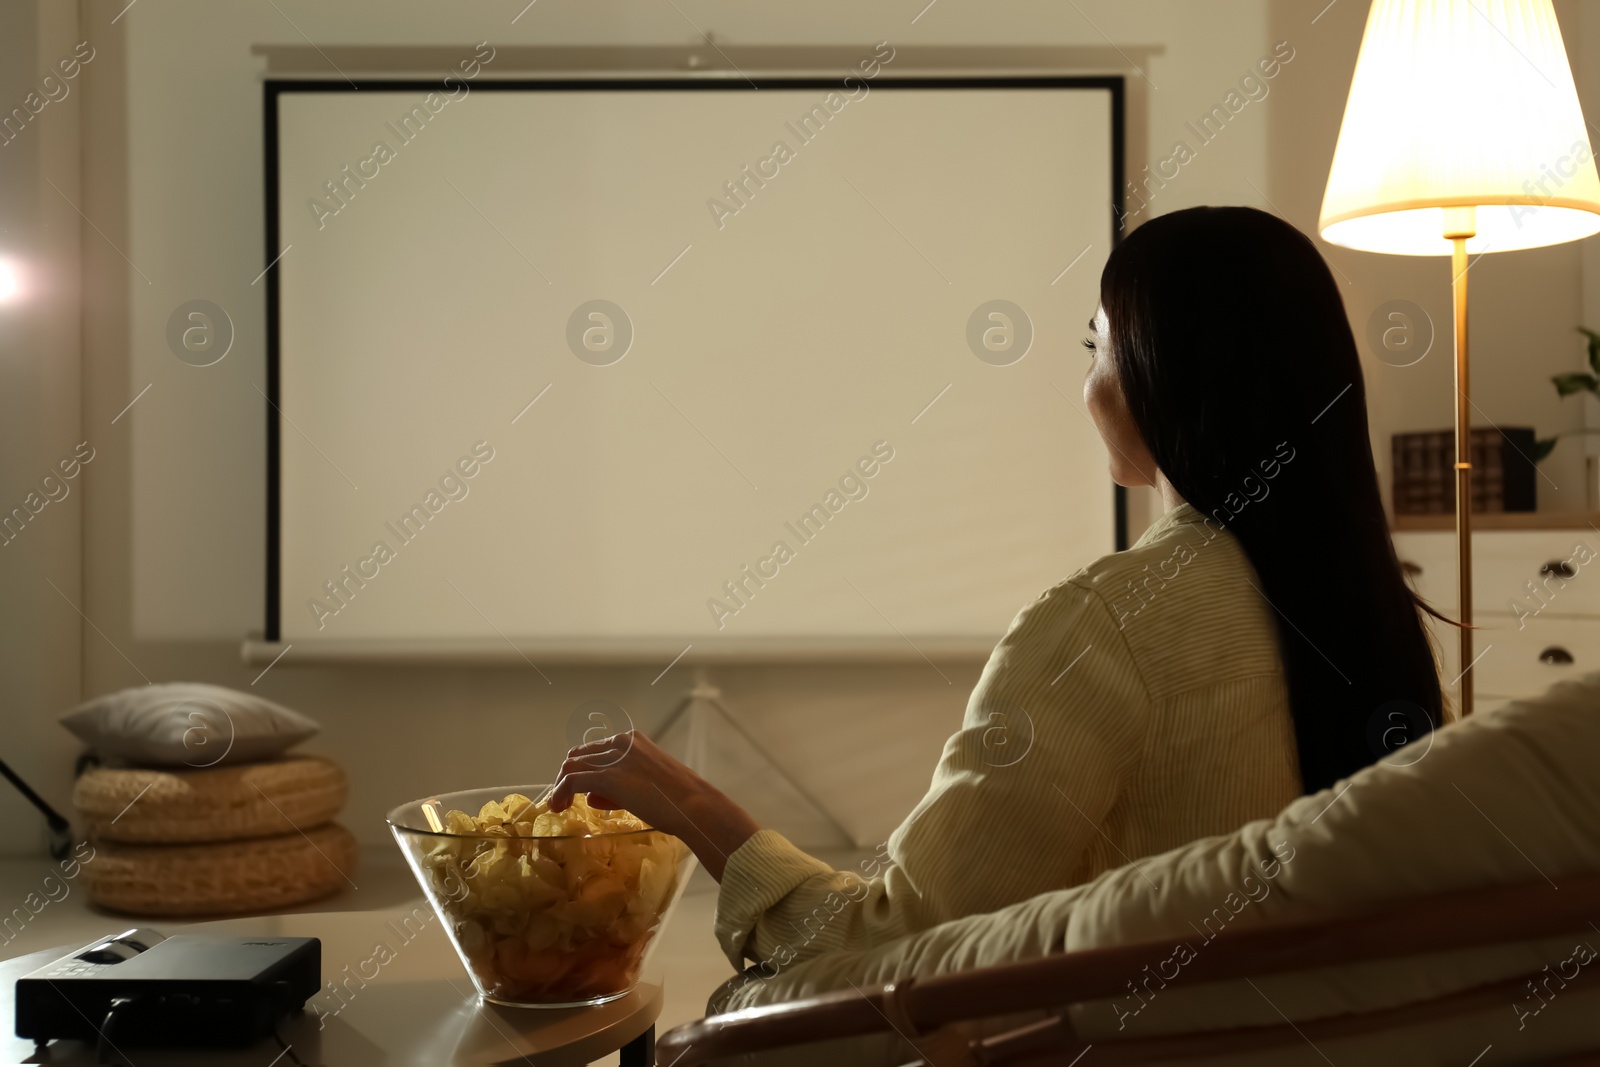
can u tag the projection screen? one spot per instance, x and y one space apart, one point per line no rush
611 368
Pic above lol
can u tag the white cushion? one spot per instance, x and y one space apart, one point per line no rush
186 724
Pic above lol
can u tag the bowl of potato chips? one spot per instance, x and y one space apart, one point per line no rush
546 909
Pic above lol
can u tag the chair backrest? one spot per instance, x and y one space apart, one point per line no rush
1422 925
1424 849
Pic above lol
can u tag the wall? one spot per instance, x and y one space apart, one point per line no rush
40 576
1583 44
172 178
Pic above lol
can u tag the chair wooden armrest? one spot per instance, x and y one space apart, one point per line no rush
1404 927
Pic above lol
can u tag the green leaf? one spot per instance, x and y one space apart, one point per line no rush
1543 448
1594 348
1568 384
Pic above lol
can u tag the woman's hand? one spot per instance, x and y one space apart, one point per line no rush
629 771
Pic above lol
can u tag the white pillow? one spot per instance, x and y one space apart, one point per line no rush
186 724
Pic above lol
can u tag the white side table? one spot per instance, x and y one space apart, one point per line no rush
394 993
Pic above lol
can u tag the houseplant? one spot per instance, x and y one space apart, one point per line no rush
1569 384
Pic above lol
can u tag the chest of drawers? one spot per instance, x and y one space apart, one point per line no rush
1535 599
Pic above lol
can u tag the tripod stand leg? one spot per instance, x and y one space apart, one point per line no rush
844 835
702 692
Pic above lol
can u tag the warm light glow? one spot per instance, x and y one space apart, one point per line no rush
1459 103
10 280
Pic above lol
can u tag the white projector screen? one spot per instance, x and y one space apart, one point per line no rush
797 423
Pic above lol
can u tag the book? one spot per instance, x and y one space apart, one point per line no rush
1503 471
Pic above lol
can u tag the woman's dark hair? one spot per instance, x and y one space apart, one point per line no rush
1230 339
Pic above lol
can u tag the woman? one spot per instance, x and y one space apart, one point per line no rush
1257 642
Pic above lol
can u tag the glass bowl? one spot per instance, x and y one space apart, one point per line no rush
549 922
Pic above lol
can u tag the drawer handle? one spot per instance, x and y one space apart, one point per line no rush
1558 568
1556 656
1412 570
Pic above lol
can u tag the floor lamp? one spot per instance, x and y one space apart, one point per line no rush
1462 135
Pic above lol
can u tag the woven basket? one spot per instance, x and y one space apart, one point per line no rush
246 800
222 879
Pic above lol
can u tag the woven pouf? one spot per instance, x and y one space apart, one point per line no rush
183 805
262 874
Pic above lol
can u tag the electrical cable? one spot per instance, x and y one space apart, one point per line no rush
285 1001
60 829
288 1048
106 1024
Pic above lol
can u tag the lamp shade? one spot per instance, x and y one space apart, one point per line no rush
1461 103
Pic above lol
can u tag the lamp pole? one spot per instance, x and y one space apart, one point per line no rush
1460 224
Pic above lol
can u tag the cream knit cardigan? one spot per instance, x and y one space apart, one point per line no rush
1136 706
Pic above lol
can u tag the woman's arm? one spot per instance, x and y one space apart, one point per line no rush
1018 804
